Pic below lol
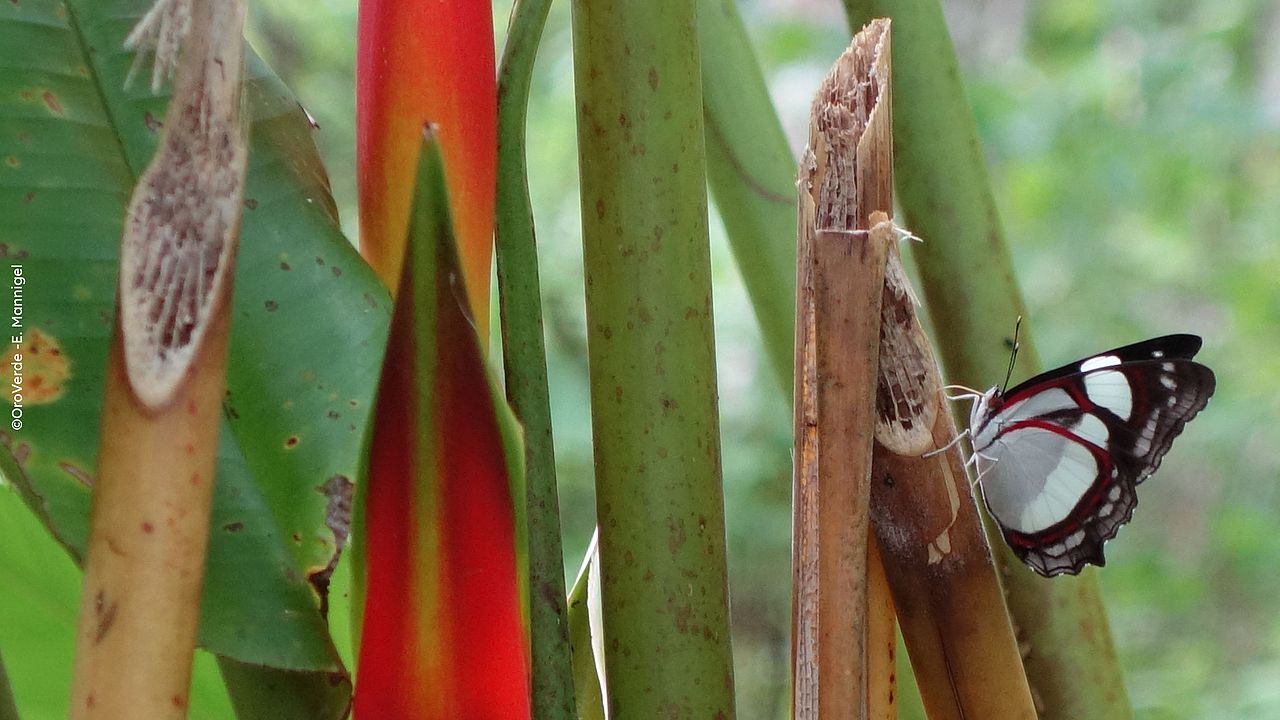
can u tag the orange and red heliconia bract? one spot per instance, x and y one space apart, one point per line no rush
427 61
388 652
443 633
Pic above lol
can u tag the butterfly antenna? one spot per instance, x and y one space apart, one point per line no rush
1013 356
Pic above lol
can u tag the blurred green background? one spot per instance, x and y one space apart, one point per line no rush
1134 147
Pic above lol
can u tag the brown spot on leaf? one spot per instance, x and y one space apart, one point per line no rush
21 451
51 101
150 122
148 527
40 363
81 475
252 204
233 527
271 305
291 442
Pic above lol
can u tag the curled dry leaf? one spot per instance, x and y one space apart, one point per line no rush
907 394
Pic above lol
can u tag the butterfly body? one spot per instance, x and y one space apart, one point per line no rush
1060 456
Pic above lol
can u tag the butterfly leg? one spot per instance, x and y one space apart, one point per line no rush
984 471
948 446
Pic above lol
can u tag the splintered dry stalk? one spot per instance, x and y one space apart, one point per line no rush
160 417
945 589
845 178
882 638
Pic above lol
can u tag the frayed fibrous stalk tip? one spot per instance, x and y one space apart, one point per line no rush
162 31
182 223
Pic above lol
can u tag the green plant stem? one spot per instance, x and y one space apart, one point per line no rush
751 173
973 299
659 499
586 678
8 706
520 308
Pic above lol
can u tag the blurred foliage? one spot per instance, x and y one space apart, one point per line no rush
1135 150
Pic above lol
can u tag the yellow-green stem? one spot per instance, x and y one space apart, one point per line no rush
653 380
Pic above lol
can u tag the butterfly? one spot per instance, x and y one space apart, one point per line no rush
1060 456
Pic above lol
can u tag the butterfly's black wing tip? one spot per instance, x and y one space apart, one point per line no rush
1178 345
1187 343
1046 566
1054 559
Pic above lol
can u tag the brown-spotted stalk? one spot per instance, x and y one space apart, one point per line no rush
164 389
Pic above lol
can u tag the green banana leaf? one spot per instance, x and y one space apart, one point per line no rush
309 322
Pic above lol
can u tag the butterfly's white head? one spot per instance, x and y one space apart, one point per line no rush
984 410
